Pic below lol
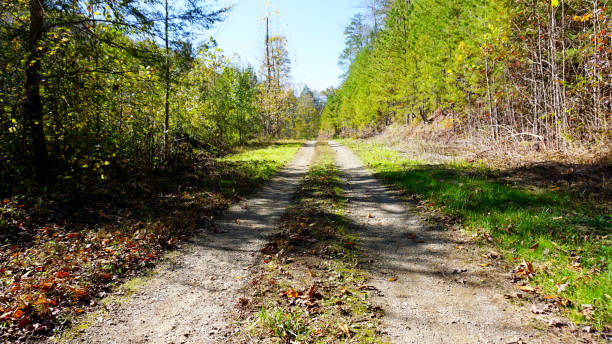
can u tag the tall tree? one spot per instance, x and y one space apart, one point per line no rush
175 23
34 107
274 96
357 35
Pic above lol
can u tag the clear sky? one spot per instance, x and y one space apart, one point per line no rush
314 31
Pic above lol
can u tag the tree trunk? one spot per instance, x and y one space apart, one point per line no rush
167 81
33 106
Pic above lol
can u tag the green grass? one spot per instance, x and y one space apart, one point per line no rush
568 240
263 162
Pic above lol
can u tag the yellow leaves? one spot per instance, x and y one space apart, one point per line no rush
554 3
484 265
392 279
291 293
583 18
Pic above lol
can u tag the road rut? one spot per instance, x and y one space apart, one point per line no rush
188 300
426 294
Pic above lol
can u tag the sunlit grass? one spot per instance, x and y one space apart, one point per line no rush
567 239
264 161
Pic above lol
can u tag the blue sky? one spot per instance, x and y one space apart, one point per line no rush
314 31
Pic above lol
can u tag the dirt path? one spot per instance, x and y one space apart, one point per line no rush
186 301
433 300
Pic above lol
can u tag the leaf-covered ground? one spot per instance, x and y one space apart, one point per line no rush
63 248
556 245
310 285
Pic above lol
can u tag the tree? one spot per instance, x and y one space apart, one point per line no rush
357 36
173 24
274 97
306 115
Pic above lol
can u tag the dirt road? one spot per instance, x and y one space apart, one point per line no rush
430 294
186 301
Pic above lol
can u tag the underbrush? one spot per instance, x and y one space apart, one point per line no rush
558 242
62 249
311 285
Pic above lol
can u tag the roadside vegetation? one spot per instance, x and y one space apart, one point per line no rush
62 250
310 285
557 244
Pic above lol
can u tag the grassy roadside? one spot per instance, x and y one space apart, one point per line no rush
61 251
262 162
310 286
560 247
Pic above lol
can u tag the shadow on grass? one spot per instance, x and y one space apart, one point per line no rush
568 236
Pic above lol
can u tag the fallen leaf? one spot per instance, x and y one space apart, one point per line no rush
534 246
485 265
6 201
370 216
494 255
243 301
529 266
392 279
411 236
63 274
80 293
561 287
312 290
345 329
525 288
291 293
23 322
18 314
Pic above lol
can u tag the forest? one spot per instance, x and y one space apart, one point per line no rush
87 86
494 72
452 187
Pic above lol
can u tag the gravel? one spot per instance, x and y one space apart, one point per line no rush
188 299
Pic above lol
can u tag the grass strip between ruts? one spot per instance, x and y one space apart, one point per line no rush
310 285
